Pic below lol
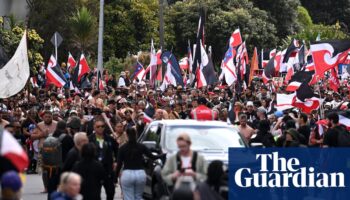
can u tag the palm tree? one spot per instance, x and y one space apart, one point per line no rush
84 29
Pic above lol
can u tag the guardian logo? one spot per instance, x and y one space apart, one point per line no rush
284 172
289 173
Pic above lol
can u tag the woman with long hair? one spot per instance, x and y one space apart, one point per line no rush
130 157
91 171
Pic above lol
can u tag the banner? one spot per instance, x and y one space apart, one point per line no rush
14 75
277 81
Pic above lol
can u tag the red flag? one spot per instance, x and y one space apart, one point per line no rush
334 83
184 64
290 72
328 54
159 75
83 67
278 61
71 62
236 38
159 53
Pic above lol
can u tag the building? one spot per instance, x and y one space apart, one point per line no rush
18 8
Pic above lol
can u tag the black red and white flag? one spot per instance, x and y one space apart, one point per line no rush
148 114
292 50
305 99
54 74
199 42
71 63
264 57
269 70
344 118
297 79
328 54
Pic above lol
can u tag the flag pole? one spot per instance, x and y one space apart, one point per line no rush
100 46
56 47
321 105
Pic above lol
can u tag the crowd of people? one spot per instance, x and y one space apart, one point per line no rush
98 129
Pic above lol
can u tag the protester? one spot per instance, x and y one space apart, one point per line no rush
184 163
11 186
42 131
69 187
244 128
80 139
107 152
210 189
130 158
91 172
336 135
263 135
202 112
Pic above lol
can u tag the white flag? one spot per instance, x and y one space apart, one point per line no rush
14 75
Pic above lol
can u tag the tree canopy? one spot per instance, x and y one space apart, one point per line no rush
10 38
131 24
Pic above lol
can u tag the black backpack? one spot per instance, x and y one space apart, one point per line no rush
52 152
343 136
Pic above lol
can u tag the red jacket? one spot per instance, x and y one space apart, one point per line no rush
203 113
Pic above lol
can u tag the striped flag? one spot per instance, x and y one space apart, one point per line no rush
12 151
71 63
54 74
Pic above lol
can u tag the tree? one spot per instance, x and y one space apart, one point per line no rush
10 38
84 30
223 17
46 17
283 13
304 18
329 11
326 32
310 31
129 27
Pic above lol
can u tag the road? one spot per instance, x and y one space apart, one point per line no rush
33 187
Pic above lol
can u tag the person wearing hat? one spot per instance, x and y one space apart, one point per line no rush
336 100
11 186
328 106
292 138
121 81
202 112
77 99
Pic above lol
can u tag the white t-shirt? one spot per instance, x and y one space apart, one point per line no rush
121 82
186 162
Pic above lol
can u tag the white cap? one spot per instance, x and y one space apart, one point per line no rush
250 103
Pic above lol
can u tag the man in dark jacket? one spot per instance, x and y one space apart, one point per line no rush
336 135
73 155
107 152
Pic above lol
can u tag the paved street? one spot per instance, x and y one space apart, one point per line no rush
33 188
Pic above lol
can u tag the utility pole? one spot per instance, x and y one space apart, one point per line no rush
100 45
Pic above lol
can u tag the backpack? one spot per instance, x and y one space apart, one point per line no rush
343 136
52 152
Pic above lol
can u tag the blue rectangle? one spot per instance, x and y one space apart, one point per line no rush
289 173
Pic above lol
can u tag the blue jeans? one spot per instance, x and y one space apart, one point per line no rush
132 183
